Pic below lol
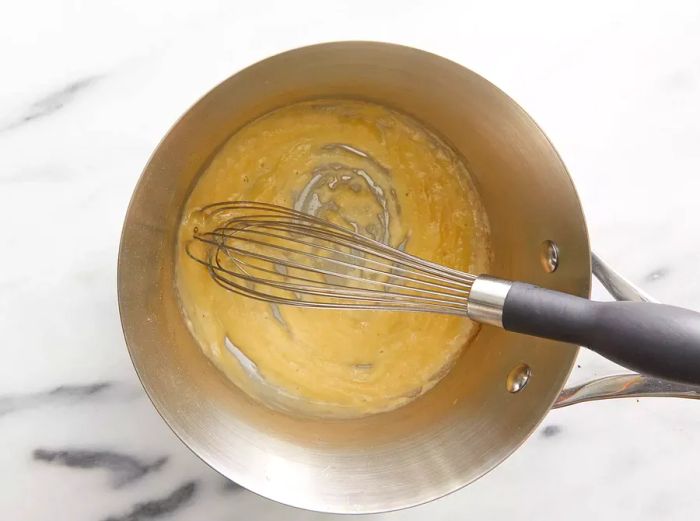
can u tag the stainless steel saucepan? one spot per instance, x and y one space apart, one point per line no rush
501 387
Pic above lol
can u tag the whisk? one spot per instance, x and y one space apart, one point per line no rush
282 256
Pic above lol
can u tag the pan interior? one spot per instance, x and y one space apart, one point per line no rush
466 424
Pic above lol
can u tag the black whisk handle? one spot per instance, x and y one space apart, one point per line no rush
653 339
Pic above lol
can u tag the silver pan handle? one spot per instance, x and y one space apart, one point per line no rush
619 287
625 385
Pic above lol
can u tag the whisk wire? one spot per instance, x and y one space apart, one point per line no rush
388 267
279 255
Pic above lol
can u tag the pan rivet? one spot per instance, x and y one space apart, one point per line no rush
518 378
549 256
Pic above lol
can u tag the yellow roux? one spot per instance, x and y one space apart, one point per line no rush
367 167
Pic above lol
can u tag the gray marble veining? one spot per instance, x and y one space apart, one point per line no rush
159 507
125 469
50 103
63 394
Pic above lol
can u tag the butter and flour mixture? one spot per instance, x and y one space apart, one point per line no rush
375 171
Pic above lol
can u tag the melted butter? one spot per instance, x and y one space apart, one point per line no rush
369 169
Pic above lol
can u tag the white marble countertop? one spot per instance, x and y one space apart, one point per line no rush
89 88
